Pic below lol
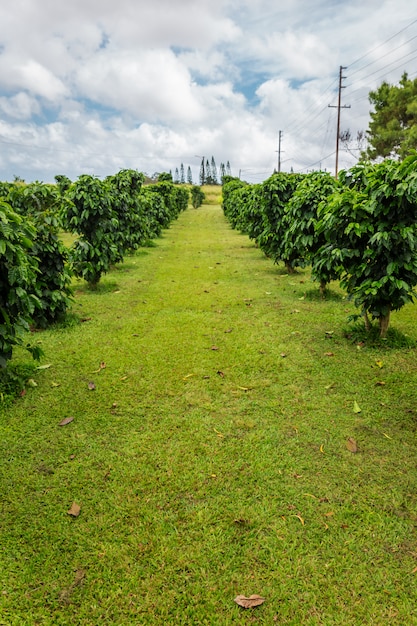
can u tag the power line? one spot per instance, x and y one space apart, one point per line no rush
383 43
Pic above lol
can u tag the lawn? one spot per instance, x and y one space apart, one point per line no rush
230 435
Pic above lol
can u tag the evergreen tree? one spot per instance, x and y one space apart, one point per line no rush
228 169
393 128
189 176
222 172
177 176
214 171
202 173
182 174
209 178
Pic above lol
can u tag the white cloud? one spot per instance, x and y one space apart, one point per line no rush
94 85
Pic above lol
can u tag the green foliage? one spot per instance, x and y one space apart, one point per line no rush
92 217
18 273
371 233
197 196
276 193
13 381
393 128
164 177
301 238
133 223
42 204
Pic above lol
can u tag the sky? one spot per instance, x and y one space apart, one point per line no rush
95 86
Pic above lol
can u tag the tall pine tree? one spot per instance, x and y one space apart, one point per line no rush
202 173
189 176
209 178
214 171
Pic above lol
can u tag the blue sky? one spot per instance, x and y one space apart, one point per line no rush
93 86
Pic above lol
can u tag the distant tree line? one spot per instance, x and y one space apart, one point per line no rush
209 174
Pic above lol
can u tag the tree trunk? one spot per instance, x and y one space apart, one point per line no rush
289 268
323 290
368 324
383 324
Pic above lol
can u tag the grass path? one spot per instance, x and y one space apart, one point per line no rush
211 458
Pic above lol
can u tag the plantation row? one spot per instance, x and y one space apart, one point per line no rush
110 218
360 230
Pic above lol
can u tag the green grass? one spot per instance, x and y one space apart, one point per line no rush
211 458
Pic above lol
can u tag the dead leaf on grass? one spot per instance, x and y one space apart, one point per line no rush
379 383
214 348
66 420
329 354
91 386
102 366
249 602
220 373
75 510
351 445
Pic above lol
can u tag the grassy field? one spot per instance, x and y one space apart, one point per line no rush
229 436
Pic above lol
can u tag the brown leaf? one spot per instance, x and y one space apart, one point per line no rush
351 445
229 330
380 383
221 374
249 603
75 510
65 421
329 354
91 385
214 348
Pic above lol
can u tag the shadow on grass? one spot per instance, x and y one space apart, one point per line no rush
314 295
395 340
104 287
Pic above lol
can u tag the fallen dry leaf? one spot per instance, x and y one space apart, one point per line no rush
250 602
75 510
380 383
221 374
329 354
214 348
351 445
91 386
65 421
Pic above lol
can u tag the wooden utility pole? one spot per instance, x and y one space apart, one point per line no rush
338 107
279 150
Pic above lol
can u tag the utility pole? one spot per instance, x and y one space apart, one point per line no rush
279 150
338 107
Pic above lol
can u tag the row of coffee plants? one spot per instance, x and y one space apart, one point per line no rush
360 230
110 218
